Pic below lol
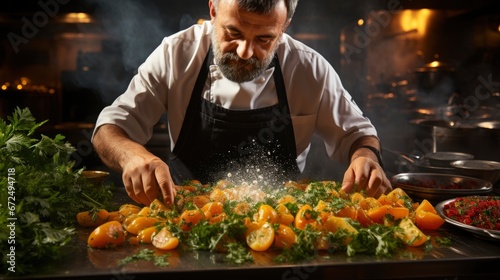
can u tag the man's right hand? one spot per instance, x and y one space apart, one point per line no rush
147 178
144 175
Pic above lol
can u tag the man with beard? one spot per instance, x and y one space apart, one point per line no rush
239 93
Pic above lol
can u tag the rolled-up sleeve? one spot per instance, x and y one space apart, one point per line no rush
140 107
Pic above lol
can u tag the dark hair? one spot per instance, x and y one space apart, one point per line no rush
264 6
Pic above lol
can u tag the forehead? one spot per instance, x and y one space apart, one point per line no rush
230 13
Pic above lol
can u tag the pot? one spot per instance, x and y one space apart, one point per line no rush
491 127
436 83
438 187
433 135
457 113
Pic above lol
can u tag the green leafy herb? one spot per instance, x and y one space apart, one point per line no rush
147 255
40 194
443 241
304 249
237 254
376 240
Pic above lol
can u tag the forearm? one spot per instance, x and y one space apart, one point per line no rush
357 149
114 147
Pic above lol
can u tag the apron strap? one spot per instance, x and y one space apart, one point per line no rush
283 101
194 103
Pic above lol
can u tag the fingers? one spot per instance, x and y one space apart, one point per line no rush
365 174
146 181
166 185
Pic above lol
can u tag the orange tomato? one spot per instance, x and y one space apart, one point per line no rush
218 218
333 224
157 207
363 219
384 200
284 216
129 209
92 218
410 233
357 197
266 213
165 240
116 216
260 236
145 235
213 208
190 218
218 195
399 212
145 211
242 208
201 200
303 217
286 199
133 240
369 202
140 223
377 214
284 237
425 205
398 197
107 235
426 216
348 211
427 220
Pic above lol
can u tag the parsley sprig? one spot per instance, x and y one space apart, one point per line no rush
48 193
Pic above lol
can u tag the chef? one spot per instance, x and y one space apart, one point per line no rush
239 93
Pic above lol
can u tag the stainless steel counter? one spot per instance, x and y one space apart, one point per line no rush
468 257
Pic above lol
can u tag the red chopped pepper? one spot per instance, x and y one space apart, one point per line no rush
477 211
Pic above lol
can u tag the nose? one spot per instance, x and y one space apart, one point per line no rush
245 49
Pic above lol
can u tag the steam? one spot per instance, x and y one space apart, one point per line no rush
138 25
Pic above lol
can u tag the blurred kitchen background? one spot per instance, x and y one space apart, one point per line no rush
426 72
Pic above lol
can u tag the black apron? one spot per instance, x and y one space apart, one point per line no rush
215 141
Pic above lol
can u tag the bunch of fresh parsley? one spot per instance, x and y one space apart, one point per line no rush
40 195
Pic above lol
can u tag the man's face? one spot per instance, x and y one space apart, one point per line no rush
244 43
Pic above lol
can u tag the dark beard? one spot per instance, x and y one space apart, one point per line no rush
236 69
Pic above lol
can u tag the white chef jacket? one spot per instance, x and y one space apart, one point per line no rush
318 103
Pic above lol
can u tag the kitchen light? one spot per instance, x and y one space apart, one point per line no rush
76 18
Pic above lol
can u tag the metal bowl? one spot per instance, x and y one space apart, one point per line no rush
443 159
483 169
95 176
488 234
436 187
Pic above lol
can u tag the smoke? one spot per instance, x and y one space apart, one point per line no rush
138 25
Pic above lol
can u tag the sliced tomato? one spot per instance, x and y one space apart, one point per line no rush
92 218
266 213
284 237
284 216
165 240
304 217
411 234
212 208
190 218
261 237
107 235
140 223
427 220
145 235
